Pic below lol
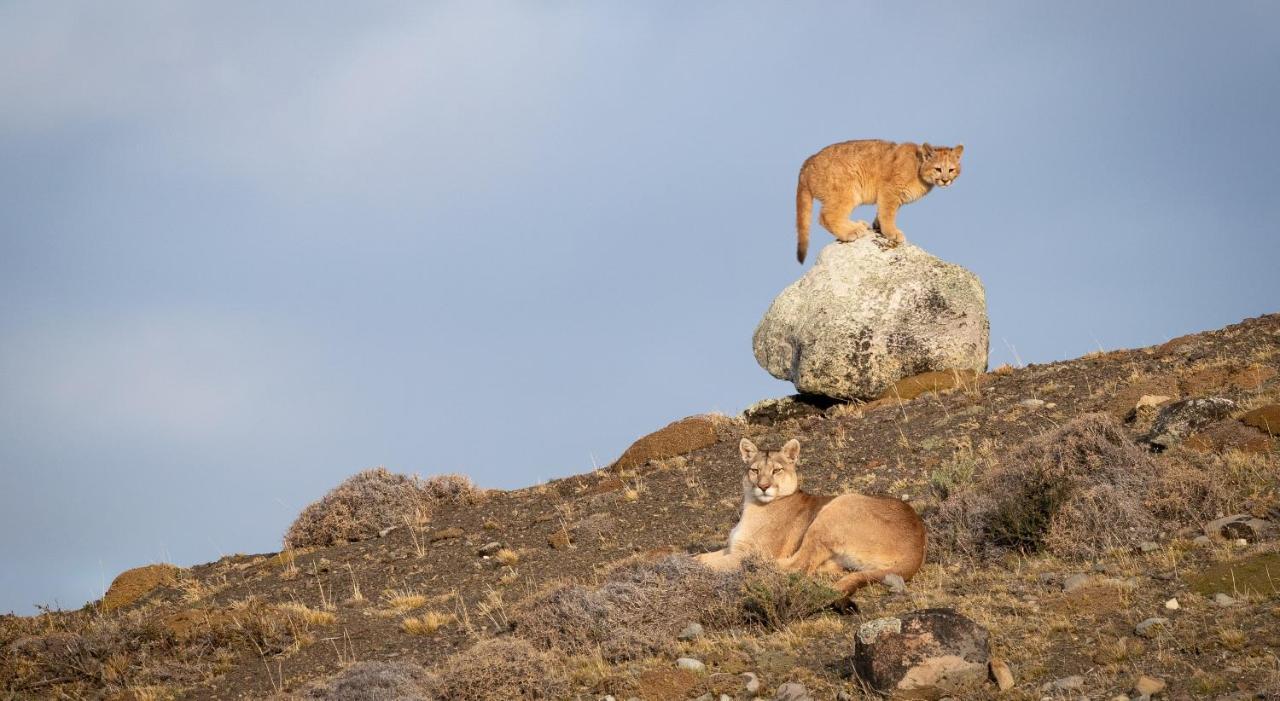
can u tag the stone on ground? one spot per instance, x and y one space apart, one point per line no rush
924 654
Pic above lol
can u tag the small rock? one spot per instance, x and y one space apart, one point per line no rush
1147 687
1032 403
1172 605
895 583
843 695
1148 546
1241 542
725 697
1202 541
772 411
792 691
750 683
1223 600
1151 627
1076 581
490 549
928 653
1001 674
1071 683
691 664
692 631
1241 527
1120 697
387 531
445 534
1150 400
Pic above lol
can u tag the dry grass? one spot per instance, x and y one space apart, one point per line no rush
307 615
359 508
500 668
507 556
373 500
374 681
1076 491
402 601
426 624
641 606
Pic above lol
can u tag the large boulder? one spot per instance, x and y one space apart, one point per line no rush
864 317
925 654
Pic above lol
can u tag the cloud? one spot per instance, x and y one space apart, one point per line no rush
418 95
168 375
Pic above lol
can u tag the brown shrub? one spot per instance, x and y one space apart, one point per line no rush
87 653
375 681
677 438
1075 491
642 605
500 668
1197 487
131 585
371 501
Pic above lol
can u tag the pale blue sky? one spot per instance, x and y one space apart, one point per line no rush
247 250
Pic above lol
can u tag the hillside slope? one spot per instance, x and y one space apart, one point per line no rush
250 626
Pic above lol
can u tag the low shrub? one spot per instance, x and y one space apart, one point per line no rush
499 668
641 606
375 681
1075 491
373 500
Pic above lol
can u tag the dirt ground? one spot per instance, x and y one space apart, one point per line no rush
345 603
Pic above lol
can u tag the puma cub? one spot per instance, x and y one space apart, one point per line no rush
859 537
888 175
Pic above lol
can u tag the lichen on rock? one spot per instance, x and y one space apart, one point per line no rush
864 317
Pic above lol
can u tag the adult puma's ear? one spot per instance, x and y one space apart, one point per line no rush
959 149
791 450
748 450
926 151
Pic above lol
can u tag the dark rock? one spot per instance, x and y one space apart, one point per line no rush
924 654
1243 526
1177 420
796 406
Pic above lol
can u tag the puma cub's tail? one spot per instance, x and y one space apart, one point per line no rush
804 214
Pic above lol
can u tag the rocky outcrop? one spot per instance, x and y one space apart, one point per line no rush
676 438
926 654
1177 420
131 585
863 318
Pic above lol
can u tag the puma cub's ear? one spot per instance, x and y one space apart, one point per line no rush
926 151
959 149
791 450
748 450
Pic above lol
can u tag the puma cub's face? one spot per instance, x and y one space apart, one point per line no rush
940 165
770 473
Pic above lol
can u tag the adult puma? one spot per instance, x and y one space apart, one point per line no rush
859 538
888 175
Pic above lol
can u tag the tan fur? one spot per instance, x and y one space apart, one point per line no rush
845 175
859 538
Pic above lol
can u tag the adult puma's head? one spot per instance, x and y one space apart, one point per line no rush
940 165
770 473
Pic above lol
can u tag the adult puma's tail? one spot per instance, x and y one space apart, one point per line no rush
804 214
